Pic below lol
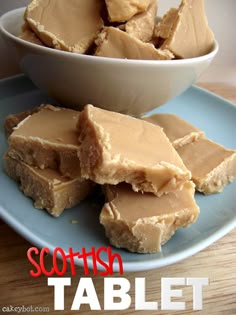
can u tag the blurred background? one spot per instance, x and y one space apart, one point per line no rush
221 18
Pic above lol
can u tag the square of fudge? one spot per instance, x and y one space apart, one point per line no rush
144 222
48 139
179 131
66 25
142 24
189 34
118 148
212 166
47 187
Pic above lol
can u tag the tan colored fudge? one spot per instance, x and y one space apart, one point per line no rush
118 148
123 10
142 25
48 138
143 222
29 36
67 25
179 131
212 166
188 34
115 43
164 27
47 187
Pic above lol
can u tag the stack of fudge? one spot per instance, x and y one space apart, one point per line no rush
119 28
42 156
148 168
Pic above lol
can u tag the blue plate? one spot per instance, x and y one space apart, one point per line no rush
206 111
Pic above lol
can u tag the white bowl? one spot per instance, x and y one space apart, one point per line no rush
128 86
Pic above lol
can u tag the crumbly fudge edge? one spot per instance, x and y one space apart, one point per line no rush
218 178
43 154
191 137
47 195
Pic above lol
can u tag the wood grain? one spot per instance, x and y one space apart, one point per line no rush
217 262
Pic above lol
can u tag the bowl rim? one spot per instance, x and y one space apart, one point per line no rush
99 59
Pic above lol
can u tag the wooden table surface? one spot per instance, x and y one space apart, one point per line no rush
217 262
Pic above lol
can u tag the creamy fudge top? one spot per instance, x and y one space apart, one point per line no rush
174 127
125 204
123 10
191 25
128 138
51 124
66 24
13 120
115 43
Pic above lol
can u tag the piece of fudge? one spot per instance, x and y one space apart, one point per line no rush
164 27
114 43
48 138
47 187
179 131
123 10
143 222
67 25
142 25
29 36
191 25
118 148
212 166
13 120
